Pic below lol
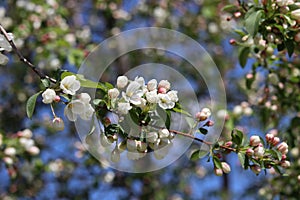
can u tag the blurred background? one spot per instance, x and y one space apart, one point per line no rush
56 34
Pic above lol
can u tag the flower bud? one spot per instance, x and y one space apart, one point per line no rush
218 172
122 81
27 133
113 93
203 114
8 160
152 84
57 98
164 84
283 147
162 90
250 152
210 123
254 140
259 151
163 133
10 151
232 41
275 141
58 124
152 137
296 14
256 169
283 157
269 137
115 155
225 167
228 144
285 164
33 150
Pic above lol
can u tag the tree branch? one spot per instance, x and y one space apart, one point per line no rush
23 59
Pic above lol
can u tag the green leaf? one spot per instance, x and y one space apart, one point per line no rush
30 106
180 110
197 154
203 131
237 137
240 32
252 22
243 56
242 159
229 8
45 82
168 119
217 162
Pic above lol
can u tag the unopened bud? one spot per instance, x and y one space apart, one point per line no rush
218 172
33 150
250 152
162 90
275 141
225 167
254 140
285 164
57 98
232 41
283 148
269 137
228 144
210 123
256 169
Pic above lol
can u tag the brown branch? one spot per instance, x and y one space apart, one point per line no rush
23 59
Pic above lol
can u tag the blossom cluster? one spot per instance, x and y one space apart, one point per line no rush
130 93
78 106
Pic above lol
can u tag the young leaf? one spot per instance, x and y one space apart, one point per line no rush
243 56
252 22
217 162
242 158
45 82
30 106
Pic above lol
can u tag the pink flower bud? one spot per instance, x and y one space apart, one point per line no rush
254 140
57 98
210 123
256 169
269 137
218 172
283 157
228 144
283 147
232 41
285 164
162 90
275 141
225 167
250 152
259 151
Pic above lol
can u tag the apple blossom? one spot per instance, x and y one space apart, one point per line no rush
10 151
33 150
254 140
162 90
225 167
275 141
151 137
152 96
163 133
173 95
250 152
123 108
259 151
152 85
285 164
70 85
218 172
203 114
296 14
26 133
26 143
269 137
283 148
74 108
113 93
165 101
8 160
164 84
133 93
122 81
48 96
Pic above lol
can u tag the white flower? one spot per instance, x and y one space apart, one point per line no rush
284 2
27 133
81 107
113 93
26 143
140 80
152 137
296 14
164 84
3 59
122 81
165 101
10 151
8 160
259 151
152 85
48 96
163 133
73 109
133 93
254 140
123 108
70 85
33 150
173 95
152 96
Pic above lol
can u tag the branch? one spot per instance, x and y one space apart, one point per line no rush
23 59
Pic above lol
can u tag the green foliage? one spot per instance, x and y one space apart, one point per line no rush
30 106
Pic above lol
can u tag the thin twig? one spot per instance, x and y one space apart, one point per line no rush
23 59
